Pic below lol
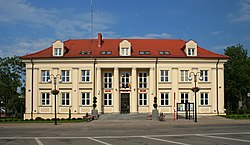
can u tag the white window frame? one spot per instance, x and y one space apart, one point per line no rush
125 80
58 52
65 76
85 75
143 99
65 98
191 51
107 80
164 76
204 75
86 98
107 99
204 98
45 99
45 76
164 99
142 80
184 76
125 51
184 97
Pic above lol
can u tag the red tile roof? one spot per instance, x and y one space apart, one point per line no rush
175 47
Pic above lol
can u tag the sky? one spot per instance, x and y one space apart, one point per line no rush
27 26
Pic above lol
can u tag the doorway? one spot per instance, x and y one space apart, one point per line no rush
125 108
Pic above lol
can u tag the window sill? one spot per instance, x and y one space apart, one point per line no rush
165 82
85 106
143 105
85 82
185 82
44 82
205 105
204 82
65 82
165 105
65 106
45 106
108 106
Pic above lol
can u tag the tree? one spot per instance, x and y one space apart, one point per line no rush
237 79
12 74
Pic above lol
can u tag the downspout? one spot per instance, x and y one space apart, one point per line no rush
156 84
32 87
94 78
217 89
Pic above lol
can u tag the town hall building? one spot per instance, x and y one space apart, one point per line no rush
124 75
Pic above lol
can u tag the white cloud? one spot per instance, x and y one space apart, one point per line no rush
219 48
243 13
216 33
153 35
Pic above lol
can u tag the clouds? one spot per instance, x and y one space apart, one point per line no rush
243 13
153 36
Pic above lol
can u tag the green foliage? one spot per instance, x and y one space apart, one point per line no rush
12 74
237 79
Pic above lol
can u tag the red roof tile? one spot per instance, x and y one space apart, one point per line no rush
175 47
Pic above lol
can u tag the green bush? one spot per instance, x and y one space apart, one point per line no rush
38 118
48 119
79 118
62 119
73 118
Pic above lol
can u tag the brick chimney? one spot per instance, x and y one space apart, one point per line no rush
99 40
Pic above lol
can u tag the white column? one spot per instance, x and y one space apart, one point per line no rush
116 96
134 96
74 96
151 93
175 89
99 89
37 96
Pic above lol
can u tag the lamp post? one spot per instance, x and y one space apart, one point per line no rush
195 89
55 91
1 108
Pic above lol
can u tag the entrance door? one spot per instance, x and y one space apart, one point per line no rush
125 108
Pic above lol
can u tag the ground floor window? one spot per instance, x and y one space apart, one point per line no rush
45 99
65 99
86 99
107 99
143 99
184 97
164 99
204 98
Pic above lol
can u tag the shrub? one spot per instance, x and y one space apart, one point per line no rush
38 118
26 119
31 119
62 119
79 118
47 119
73 118
68 119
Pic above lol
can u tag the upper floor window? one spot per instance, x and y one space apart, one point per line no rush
85 75
58 48
184 97
65 99
58 51
164 75
125 51
45 99
184 75
143 79
107 80
190 51
86 99
204 75
65 75
204 98
45 75
143 99
164 98
125 80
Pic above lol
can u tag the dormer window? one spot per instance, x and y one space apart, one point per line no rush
125 48
58 48
191 48
191 51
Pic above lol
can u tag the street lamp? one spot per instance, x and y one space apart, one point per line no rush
55 91
1 108
195 89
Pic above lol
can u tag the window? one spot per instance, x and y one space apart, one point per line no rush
143 80
85 52
106 52
184 75
164 75
65 75
144 52
190 51
164 52
125 51
65 99
164 99
204 75
45 75
85 75
125 80
86 99
58 51
204 98
143 99
184 97
45 99
107 80
107 99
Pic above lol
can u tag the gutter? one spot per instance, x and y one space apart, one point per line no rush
217 89
32 88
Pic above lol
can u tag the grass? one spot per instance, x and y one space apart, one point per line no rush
15 120
237 116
